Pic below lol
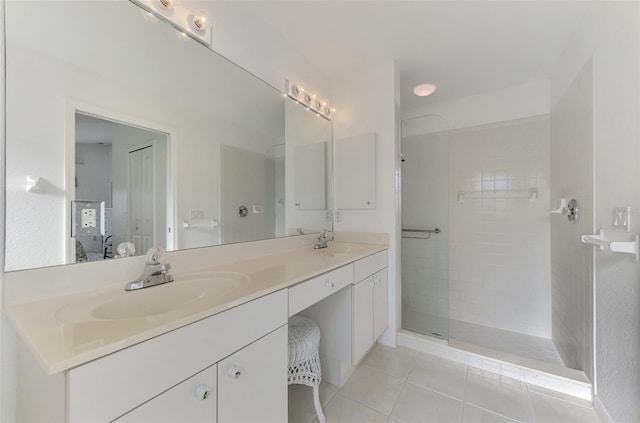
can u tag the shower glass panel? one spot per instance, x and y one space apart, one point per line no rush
425 226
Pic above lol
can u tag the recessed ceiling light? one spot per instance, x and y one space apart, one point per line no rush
424 90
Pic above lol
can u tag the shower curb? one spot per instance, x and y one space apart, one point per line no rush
570 382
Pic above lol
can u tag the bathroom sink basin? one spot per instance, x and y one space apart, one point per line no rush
185 291
343 248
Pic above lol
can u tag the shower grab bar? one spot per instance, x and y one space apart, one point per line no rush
420 231
627 247
200 223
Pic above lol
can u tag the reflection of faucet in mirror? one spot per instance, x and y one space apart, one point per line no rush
154 273
323 240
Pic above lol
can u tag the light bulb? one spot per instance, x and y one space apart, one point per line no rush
166 5
201 20
424 90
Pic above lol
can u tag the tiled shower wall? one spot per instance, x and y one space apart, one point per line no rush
499 236
572 261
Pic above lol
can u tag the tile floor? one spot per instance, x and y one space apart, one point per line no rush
395 385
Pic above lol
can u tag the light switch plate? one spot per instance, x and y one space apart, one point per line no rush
621 218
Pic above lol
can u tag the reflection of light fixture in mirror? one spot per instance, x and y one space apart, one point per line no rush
200 20
166 4
424 90
309 99
166 7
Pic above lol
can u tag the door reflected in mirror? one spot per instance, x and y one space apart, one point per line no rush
126 168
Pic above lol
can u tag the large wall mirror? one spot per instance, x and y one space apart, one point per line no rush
123 134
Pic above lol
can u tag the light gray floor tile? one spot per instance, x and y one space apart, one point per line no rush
417 404
301 408
392 361
344 410
551 410
373 388
440 375
472 414
501 397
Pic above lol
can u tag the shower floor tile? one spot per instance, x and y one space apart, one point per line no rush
527 346
514 343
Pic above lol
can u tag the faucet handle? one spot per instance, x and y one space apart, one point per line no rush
154 255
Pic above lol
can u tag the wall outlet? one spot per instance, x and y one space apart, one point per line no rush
327 216
621 218
196 214
88 218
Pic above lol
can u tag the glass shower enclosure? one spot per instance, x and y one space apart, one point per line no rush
425 225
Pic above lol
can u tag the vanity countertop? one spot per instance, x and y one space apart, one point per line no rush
70 330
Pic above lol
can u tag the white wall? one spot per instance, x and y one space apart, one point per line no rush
367 103
610 36
499 239
520 101
245 39
572 261
93 172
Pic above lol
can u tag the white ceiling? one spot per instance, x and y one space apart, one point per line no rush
464 47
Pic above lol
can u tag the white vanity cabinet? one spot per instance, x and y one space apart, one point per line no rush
252 383
193 400
140 383
248 386
369 303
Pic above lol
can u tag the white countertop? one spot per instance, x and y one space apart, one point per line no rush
64 332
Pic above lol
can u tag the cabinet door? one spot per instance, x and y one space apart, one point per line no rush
193 400
355 172
362 315
252 383
380 303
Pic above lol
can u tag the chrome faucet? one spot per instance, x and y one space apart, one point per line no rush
155 273
323 240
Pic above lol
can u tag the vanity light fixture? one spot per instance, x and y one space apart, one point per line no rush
424 90
165 6
200 20
310 100
196 25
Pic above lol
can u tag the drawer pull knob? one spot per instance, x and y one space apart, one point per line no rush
203 392
329 284
234 372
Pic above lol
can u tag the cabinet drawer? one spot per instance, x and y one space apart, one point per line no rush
111 386
194 400
310 292
369 265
